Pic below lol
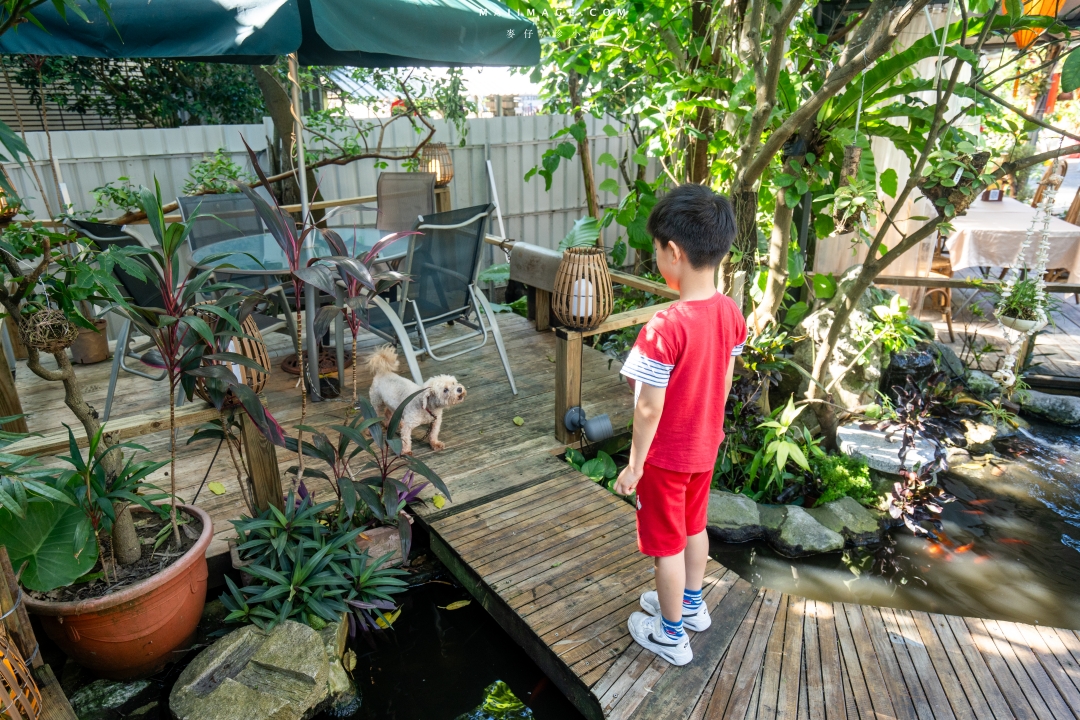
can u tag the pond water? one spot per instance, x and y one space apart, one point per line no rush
1011 549
437 664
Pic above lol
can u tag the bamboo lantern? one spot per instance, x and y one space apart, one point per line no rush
20 698
583 296
436 159
1024 38
7 208
251 347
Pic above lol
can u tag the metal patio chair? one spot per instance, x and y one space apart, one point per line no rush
228 216
402 197
443 262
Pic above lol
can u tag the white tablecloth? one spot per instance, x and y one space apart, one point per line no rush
990 235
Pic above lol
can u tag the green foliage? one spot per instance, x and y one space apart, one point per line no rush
1025 300
842 476
52 542
585 233
893 327
500 703
149 92
854 205
216 173
497 274
119 193
307 568
824 286
601 469
953 168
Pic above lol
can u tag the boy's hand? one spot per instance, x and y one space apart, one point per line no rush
628 480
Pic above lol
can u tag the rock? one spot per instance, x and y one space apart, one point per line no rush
1005 429
801 534
381 541
982 385
734 517
772 517
284 674
860 385
847 517
1060 409
881 451
108 699
979 435
948 362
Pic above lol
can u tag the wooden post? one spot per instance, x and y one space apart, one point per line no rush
567 380
18 623
16 340
543 309
9 398
262 461
442 199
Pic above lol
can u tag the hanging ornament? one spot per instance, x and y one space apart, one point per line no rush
1024 38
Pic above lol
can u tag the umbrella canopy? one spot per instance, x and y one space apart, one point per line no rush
359 33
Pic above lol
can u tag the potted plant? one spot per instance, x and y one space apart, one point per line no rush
953 176
121 620
1023 305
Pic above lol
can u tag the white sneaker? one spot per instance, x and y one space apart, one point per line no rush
697 622
649 633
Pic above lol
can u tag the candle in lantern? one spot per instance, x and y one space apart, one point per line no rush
582 297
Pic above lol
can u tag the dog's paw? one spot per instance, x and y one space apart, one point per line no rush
436 445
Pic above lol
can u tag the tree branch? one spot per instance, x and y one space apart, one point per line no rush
1026 116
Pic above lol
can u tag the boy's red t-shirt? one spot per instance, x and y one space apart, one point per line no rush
686 349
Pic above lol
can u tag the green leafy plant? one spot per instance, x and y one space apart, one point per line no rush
600 469
216 173
953 168
119 194
307 567
853 206
51 520
778 447
893 326
1025 300
842 476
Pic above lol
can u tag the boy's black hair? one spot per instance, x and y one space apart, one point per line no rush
700 222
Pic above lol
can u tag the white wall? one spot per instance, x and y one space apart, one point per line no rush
89 159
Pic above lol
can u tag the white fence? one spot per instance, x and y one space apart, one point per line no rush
89 159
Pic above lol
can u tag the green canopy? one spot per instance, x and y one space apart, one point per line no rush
358 33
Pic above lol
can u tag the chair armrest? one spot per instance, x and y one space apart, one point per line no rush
470 221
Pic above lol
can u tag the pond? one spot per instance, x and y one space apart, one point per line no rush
437 663
1011 549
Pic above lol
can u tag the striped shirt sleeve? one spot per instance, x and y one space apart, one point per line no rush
644 369
737 350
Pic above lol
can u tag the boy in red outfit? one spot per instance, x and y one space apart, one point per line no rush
680 369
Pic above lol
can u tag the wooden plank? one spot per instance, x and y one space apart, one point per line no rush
54 704
769 685
670 699
903 648
640 283
543 310
1002 675
1055 641
787 699
262 462
1043 685
630 318
813 685
122 429
934 669
567 381
1062 677
987 686
831 662
894 683
853 664
749 666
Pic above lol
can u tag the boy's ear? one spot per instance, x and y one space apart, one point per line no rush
677 253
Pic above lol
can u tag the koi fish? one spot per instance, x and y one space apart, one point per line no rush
965 548
973 512
983 501
1013 541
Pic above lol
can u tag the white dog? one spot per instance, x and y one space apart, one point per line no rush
388 390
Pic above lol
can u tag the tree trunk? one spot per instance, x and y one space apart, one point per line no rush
697 153
279 107
745 204
585 153
125 540
172 462
776 284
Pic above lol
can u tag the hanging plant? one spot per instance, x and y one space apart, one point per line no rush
953 177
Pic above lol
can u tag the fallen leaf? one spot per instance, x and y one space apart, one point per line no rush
364 537
996 471
555 565
348 661
438 501
456 605
216 488
551 358
519 421
391 618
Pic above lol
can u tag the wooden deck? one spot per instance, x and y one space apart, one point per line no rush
553 558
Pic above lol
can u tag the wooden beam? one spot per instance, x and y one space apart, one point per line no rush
262 462
9 398
542 307
640 283
54 704
960 283
17 621
568 345
618 321
122 429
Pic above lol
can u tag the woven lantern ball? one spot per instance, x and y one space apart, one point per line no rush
583 297
48 330
20 698
436 159
251 347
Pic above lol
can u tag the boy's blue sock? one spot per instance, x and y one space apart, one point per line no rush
691 601
674 630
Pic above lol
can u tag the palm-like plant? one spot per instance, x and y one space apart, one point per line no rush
188 346
355 281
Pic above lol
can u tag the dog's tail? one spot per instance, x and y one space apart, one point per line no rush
383 360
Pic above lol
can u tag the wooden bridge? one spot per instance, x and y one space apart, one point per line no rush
552 556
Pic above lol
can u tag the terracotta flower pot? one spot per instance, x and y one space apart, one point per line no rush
134 632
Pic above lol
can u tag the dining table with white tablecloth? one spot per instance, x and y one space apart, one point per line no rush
990 235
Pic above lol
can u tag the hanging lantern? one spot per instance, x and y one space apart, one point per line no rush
7 207
1024 38
436 159
583 296
20 698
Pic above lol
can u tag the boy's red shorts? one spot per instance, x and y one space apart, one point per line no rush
671 506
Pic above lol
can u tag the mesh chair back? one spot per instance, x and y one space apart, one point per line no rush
402 198
220 217
445 260
143 293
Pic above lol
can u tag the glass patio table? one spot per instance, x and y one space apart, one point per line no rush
261 255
